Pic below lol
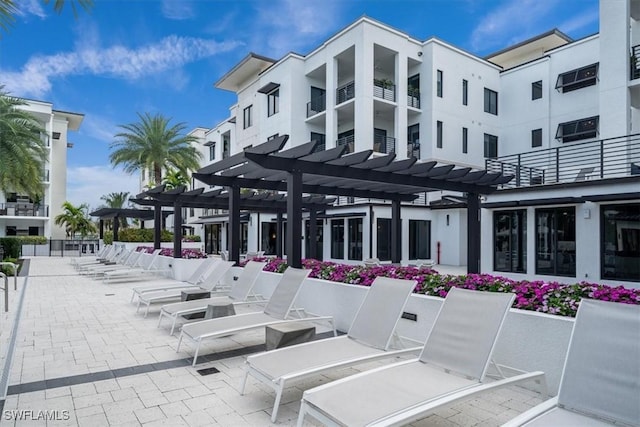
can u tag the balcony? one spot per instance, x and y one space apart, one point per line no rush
23 209
413 98
635 62
603 159
385 89
45 175
348 141
413 150
384 144
345 92
316 105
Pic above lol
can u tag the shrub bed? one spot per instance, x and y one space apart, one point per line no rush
545 297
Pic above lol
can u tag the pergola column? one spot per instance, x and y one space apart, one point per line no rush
157 225
294 219
115 228
313 234
177 230
279 230
473 233
396 232
101 235
233 243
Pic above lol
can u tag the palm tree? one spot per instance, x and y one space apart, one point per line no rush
8 9
22 151
117 201
154 145
75 220
174 179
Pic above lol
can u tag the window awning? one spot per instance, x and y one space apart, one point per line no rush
269 87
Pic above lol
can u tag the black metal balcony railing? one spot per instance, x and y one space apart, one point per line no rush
606 158
348 141
384 89
413 150
345 92
23 209
635 62
413 98
316 105
384 144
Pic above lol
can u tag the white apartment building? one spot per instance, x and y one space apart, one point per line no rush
19 214
545 110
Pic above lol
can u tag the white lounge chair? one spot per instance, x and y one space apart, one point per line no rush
146 267
198 276
451 367
169 295
109 256
117 259
600 384
240 292
100 255
371 262
130 261
277 310
369 338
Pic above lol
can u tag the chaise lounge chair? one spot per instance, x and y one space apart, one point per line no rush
240 292
169 295
99 256
451 367
600 383
198 276
369 338
277 311
146 267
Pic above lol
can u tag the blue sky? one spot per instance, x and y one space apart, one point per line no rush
163 56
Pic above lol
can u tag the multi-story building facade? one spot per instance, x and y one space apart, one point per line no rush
372 87
19 214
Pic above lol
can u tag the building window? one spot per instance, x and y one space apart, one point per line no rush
578 129
578 78
226 147
536 90
337 238
439 134
247 117
536 138
383 239
465 92
419 239
490 101
244 237
273 102
510 241
490 146
413 141
620 242
355 238
212 151
465 140
556 241
439 83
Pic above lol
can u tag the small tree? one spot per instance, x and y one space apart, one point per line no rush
75 220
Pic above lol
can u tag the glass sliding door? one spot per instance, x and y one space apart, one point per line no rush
556 241
384 239
355 239
212 234
419 239
621 242
337 238
318 242
510 241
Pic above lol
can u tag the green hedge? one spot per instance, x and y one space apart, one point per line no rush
7 269
13 244
137 235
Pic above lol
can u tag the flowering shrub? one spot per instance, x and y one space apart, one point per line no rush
545 297
186 253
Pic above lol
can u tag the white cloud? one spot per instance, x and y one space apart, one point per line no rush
177 9
287 25
86 184
511 22
34 79
31 7
580 21
98 127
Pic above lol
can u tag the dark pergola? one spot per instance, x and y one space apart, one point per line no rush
303 169
116 213
234 202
